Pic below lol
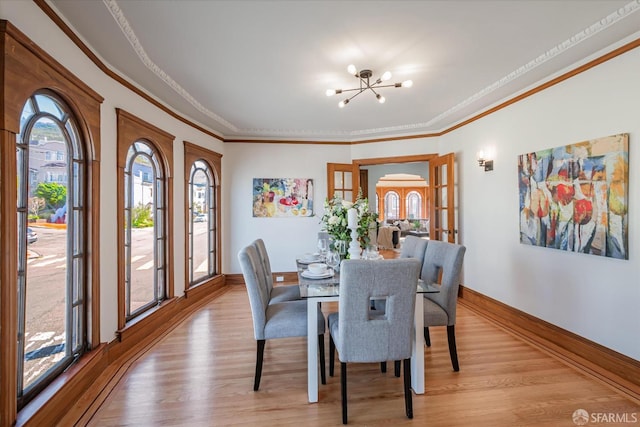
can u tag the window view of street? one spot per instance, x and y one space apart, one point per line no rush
45 301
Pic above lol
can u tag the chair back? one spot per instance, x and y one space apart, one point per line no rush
413 247
255 280
263 255
364 335
443 264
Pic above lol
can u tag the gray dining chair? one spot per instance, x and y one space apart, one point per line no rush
361 334
276 293
413 247
442 267
278 319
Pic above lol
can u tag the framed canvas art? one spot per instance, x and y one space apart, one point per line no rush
282 197
575 197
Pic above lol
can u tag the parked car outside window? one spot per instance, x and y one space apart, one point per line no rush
32 236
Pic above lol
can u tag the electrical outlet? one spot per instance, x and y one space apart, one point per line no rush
279 278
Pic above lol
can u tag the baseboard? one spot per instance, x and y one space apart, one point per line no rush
288 277
615 369
82 386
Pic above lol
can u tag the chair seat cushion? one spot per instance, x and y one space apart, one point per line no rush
285 293
289 319
434 315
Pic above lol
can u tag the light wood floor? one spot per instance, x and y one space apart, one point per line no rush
201 374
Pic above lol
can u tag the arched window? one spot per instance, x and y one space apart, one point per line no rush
145 240
391 205
202 223
145 199
414 205
52 239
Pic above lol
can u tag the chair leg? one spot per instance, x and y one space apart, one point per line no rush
396 368
383 367
323 375
451 335
408 398
332 354
259 357
343 388
427 338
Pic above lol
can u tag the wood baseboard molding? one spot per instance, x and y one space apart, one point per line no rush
288 276
66 401
615 369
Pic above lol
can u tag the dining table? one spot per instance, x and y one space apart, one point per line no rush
324 288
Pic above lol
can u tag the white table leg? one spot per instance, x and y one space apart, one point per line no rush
417 348
312 349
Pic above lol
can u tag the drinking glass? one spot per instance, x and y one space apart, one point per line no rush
323 246
371 252
333 260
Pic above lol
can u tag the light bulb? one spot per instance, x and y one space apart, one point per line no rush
407 83
330 92
351 69
386 76
381 98
341 104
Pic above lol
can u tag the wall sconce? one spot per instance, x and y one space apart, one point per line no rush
484 161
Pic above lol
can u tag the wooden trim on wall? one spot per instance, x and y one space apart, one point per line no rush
615 369
8 280
192 153
26 69
94 58
61 401
131 129
89 53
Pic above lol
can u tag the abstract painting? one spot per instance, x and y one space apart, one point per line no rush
575 197
282 197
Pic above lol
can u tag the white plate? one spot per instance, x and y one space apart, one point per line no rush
309 260
309 275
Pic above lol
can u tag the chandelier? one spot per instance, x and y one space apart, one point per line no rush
364 77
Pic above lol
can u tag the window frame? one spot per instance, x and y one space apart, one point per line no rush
193 153
19 54
145 149
76 250
131 129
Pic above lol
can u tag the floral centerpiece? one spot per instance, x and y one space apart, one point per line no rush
334 220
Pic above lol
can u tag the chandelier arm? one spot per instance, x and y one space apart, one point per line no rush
391 85
357 94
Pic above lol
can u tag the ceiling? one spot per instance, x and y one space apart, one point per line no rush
260 69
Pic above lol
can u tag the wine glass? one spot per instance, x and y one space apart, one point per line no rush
333 260
323 246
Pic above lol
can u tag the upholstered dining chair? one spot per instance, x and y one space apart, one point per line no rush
442 267
276 293
278 319
413 247
361 334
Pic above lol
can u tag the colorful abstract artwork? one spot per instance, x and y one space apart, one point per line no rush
575 197
282 197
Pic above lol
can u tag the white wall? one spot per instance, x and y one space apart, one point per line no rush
285 238
29 19
595 297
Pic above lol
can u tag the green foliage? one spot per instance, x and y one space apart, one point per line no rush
54 194
334 219
141 216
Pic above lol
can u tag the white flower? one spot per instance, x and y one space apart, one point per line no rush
333 220
347 204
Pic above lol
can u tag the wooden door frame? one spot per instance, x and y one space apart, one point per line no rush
357 163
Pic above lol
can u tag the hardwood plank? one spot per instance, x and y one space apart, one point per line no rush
201 374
